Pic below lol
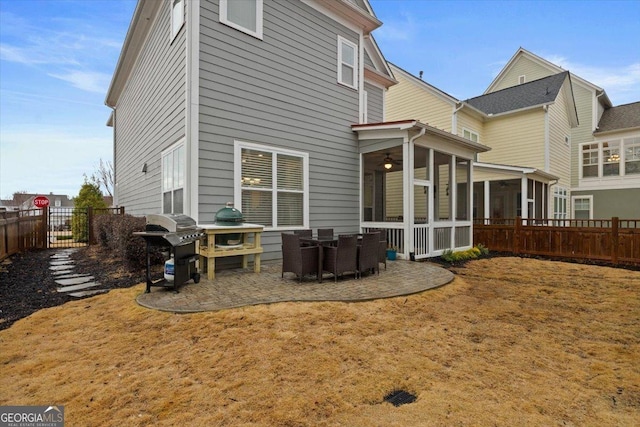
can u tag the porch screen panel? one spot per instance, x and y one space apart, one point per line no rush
463 172
442 186
421 204
290 190
421 163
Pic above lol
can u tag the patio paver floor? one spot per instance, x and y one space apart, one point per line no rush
241 287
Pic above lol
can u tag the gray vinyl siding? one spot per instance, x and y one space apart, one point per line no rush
281 91
368 61
150 117
375 102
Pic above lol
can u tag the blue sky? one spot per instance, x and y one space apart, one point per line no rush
57 57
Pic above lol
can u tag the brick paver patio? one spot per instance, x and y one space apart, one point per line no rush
242 287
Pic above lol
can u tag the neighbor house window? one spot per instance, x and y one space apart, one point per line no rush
470 135
243 15
177 17
272 185
590 154
615 158
611 158
560 202
347 63
173 173
582 207
632 156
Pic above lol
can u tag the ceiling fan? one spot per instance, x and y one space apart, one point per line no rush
388 162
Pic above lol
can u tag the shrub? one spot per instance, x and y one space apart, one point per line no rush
115 235
452 257
103 230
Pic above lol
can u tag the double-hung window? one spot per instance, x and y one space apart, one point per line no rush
582 207
590 155
560 202
272 185
632 156
243 15
611 158
347 63
470 135
173 179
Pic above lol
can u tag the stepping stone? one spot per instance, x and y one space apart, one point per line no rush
74 281
59 256
61 262
67 276
60 267
61 272
78 287
88 293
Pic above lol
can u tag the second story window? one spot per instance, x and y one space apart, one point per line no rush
347 63
243 15
470 135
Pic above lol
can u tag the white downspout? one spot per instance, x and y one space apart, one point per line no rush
409 202
547 147
454 119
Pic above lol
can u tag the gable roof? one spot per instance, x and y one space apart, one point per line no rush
552 68
527 95
380 72
424 85
618 118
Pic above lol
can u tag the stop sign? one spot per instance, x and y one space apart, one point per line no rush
41 202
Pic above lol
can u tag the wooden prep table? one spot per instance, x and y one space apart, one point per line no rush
250 244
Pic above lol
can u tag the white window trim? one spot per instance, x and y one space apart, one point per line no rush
560 194
163 154
356 72
237 174
471 132
581 160
573 205
175 31
259 19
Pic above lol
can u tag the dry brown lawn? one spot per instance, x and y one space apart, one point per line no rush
509 342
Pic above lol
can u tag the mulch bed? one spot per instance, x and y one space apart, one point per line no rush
27 285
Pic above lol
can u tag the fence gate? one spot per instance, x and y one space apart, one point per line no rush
68 227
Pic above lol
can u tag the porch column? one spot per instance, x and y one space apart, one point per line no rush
407 202
524 198
487 199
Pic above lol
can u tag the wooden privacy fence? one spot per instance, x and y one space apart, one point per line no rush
41 228
610 240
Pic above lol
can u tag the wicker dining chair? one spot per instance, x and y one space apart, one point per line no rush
304 234
368 255
341 258
325 232
297 259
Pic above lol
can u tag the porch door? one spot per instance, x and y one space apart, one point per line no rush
422 194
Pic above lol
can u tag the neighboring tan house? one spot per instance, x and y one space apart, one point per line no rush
514 178
261 103
600 186
609 174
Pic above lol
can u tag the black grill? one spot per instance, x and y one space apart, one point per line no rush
178 234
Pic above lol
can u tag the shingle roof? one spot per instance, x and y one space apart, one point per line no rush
621 117
537 92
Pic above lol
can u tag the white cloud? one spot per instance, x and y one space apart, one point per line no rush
622 84
86 80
